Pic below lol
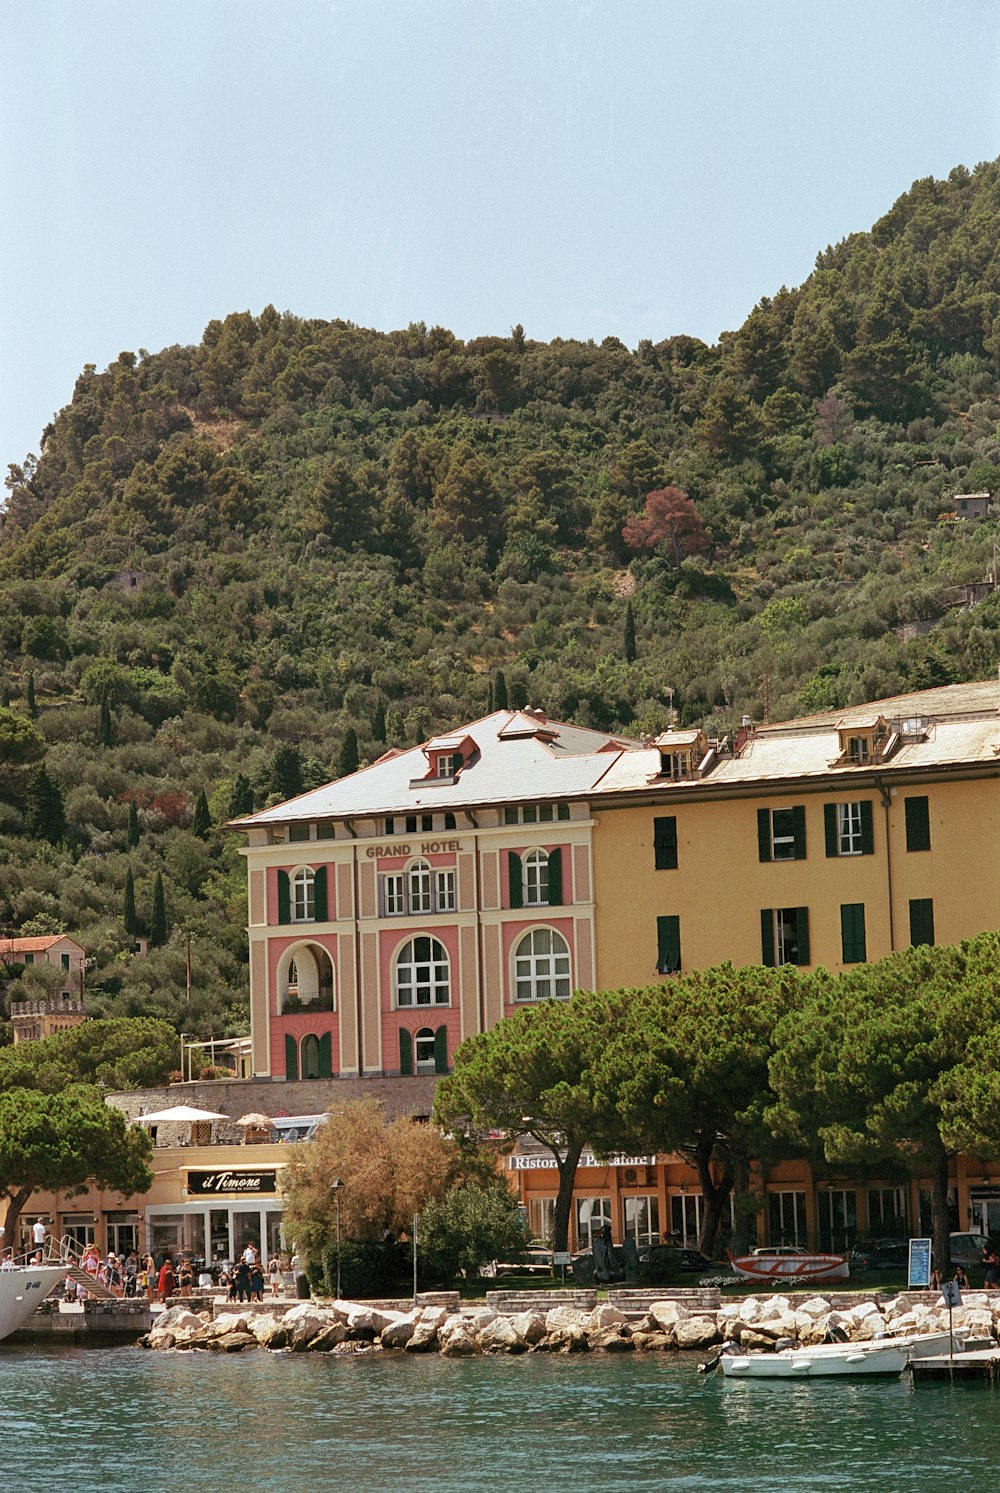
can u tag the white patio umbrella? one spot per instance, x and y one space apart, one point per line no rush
180 1114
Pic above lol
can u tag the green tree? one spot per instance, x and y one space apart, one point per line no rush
466 503
105 732
158 916
30 701
58 1142
201 820
347 758
132 832
628 636
286 772
473 1224
129 919
21 743
378 721
44 816
240 797
532 1075
500 691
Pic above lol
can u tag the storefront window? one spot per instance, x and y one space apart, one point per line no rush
79 1229
541 1217
218 1232
642 1219
591 1216
246 1230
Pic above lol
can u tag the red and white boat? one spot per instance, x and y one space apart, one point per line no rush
789 1263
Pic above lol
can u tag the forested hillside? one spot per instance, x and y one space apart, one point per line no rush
238 568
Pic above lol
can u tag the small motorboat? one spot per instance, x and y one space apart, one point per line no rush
788 1262
880 1356
23 1288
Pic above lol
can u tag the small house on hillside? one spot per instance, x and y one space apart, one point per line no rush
50 1012
974 505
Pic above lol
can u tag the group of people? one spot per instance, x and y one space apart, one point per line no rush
245 1280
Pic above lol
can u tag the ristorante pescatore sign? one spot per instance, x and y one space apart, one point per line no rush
230 1183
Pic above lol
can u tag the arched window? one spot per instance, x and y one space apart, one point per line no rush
422 973
419 876
541 966
303 890
536 879
424 1051
310 1056
293 978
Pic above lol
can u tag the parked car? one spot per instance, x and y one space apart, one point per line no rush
880 1254
967 1249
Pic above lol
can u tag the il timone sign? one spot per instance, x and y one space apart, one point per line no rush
232 1184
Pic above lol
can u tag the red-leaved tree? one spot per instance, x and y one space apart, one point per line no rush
670 519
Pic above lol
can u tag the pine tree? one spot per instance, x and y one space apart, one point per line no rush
158 920
44 818
132 833
286 772
240 797
347 760
378 722
30 697
490 706
104 732
129 918
629 637
500 691
201 820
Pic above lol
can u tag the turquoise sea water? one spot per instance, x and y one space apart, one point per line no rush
125 1419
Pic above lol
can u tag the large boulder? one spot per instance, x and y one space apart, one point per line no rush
666 1314
614 1338
398 1334
425 1330
305 1322
178 1319
565 1319
269 1331
697 1332
457 1338
502 1336
605 1315
653 1342
232 1342
332 1337
530 1326
368 1322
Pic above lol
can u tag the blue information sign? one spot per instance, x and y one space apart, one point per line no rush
919 1272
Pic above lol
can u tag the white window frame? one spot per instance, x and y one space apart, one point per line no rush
849 829
641 1218
785 841
302 896
422 979
536 878
859 749
542 973
394 894
591 1216
423 1039
445 898
418 887
784 937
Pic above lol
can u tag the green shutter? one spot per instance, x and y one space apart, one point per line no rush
799 831
319 895
555 878
767 936
284 899
921 921
764 834
854 949
867 829
830 829
665 844
918 824
514 871
441 1050
802 934
405 1052
668 945
326 1056
291 1058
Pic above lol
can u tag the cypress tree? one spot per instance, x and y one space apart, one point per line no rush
104 732
378 722
44 818
629 637
201 821
132 833
490 706
30 697
500 691
158 920
129 918
240 797
518 695
347 760
5 696
286 772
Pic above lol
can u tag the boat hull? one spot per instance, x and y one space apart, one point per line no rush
883 1357
22 1292
769 1269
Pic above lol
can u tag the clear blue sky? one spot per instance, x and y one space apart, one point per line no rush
633 168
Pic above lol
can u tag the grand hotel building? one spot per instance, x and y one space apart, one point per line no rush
420 900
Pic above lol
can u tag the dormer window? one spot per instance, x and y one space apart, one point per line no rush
449 764
675 765
863 741
859 748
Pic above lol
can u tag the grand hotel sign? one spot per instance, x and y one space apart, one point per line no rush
227 1182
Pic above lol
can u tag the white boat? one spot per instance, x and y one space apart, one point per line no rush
787 1262
22 1291
884 1356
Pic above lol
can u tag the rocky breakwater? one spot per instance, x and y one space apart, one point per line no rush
756 1323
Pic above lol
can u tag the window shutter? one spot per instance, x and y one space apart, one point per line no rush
802 934
918 825
514 871
291 1057
319 895
555 878
441 1050
326 1056
405 1052
668 945
852 933
921 921
665 844
867 829
830 829
284 899
799 831
767 936
764 834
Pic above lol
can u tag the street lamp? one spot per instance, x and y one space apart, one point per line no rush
335 1188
